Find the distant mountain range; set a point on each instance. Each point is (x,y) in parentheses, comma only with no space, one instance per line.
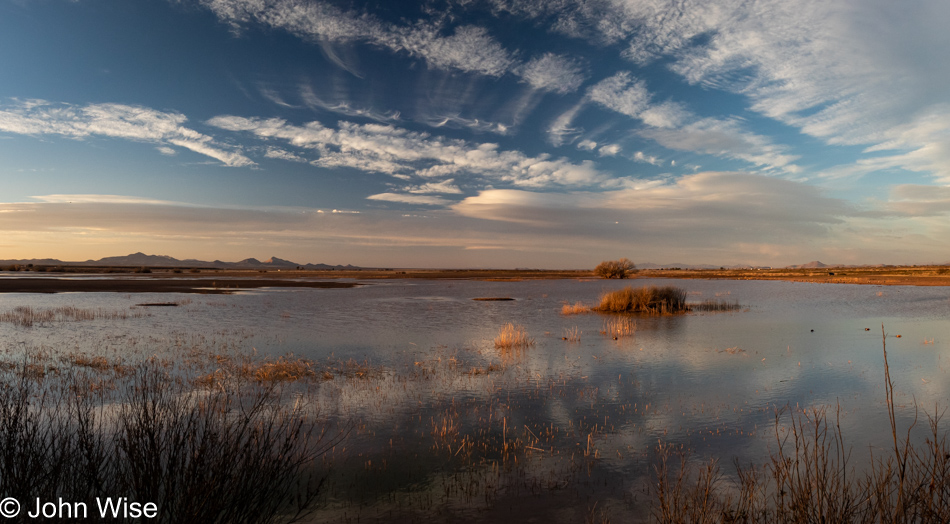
(141,259)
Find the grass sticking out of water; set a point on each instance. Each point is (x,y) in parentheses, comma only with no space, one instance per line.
(619,327)
(651,300)
(714,305)
(575,309)
(27,316)
(513,337)
(810,477)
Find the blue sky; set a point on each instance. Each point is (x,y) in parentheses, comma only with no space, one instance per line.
(476,133)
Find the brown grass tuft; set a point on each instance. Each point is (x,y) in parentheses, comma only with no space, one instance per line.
(513,337)
(576,309)
(651,300)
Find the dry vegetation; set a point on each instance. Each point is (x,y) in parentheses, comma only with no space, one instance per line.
(27,316)
(651,300)
(622,268)
(513,337)
(619,327)
(575,309)
(225,455)
(811,478)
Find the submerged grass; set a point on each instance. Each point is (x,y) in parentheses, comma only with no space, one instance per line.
(27,316)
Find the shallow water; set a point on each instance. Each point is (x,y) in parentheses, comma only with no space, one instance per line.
(583,414)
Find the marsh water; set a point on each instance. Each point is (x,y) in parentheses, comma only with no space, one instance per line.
(447,426)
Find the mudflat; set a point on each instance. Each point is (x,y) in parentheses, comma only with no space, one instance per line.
(162,280)
(153,285)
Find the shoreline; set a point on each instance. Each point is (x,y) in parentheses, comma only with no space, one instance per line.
(166,280)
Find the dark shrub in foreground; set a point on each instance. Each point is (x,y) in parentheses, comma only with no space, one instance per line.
(226,455)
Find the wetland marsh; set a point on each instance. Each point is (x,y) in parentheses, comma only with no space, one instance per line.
(433,420)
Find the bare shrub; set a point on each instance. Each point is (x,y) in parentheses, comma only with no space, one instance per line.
(615,268)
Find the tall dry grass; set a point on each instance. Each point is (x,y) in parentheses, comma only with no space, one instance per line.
(513,337)
(575,309)
(217,456)
(811,478)
(619,327)
(650,300)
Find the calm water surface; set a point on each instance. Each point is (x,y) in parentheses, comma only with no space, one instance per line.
(583,417)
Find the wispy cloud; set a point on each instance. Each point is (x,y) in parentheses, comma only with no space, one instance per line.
(725,139)
(410,199)
(311,100)
(869,74)
(457,122)
(396,151)
(39,117)
(560,130)
(466,48)
(621,93)
(101,199)
(551,72)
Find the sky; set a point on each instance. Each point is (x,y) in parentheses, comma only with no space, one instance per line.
(477,133)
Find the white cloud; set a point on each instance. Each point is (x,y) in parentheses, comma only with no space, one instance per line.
(311,100)
(165,150)
(560,130)
(283,154)
(587,145)
(445,186)
(868,73)
(639,156)
(395,151)
(609,150)
(621,93)
(705,211)
(410,199)
(470,49)
(552,72)
(100,199)
(666,114)
(455,121)
(38,117)
(725,139)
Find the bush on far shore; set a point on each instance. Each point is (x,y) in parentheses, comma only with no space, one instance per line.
(615,268)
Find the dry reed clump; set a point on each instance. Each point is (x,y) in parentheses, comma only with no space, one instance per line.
(650,299)
(513,337)
(575,309)
(619,327)
(220,456)
(810,478)
(27,316)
